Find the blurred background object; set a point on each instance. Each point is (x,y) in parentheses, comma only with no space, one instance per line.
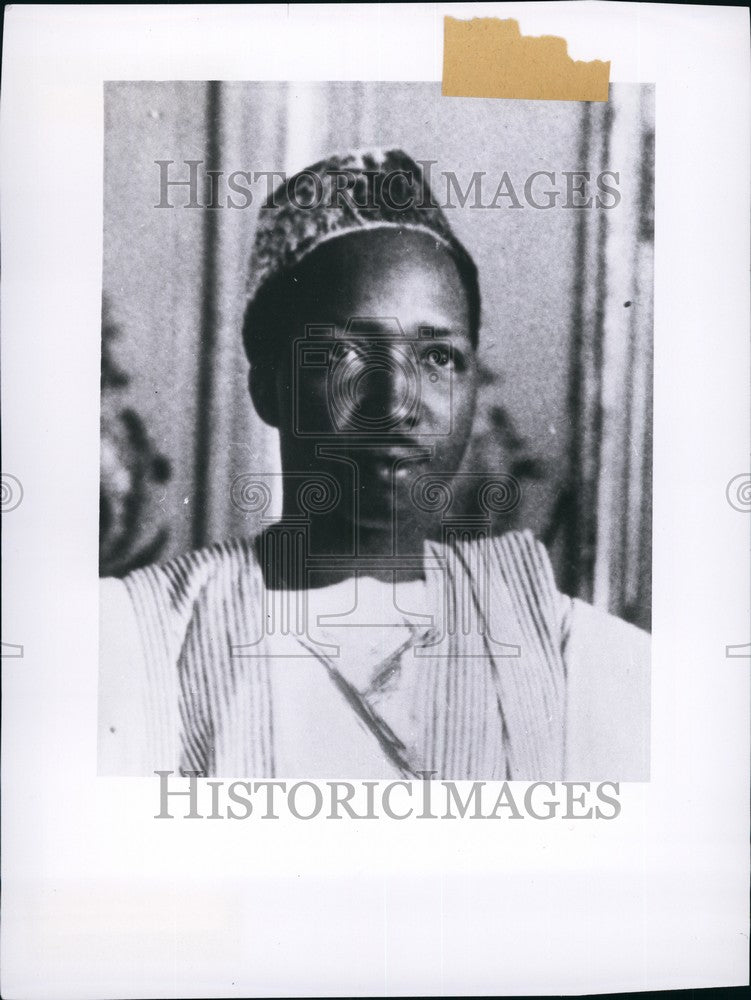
(130,469)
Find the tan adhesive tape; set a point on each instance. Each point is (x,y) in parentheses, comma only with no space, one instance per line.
(488,57)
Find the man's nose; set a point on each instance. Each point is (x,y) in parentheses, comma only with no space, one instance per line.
(376,388)
(388,387)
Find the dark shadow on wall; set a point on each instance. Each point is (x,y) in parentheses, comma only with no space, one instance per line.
(130,469)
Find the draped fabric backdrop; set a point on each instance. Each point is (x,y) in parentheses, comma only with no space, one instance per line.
(566,335)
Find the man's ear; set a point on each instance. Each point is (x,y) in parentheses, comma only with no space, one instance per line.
(263,394)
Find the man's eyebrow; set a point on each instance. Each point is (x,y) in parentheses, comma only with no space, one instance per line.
(446,332)
(389,327)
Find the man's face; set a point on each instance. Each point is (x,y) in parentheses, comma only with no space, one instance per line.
(379,385)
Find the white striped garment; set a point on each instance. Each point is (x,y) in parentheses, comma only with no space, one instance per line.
(480,695)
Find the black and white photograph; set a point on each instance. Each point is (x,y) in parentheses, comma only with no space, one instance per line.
(376,432)
(375,500)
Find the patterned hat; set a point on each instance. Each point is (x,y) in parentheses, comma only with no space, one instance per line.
(371,189)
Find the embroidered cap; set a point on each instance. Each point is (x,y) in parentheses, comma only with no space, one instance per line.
(369,189)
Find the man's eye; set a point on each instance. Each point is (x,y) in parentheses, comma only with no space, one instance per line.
(439,356)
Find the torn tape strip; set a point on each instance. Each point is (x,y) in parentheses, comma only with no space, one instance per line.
(489,57)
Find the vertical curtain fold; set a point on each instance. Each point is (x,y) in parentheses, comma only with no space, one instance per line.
(608,534)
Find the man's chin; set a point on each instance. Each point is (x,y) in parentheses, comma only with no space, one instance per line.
(385,523)
(375,523)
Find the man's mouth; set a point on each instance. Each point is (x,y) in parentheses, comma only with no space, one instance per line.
(394,463)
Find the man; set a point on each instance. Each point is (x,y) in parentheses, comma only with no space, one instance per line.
(366,634)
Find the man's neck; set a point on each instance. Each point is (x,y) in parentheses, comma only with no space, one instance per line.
(324,550)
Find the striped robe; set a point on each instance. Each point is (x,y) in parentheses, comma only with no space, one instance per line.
(204,669)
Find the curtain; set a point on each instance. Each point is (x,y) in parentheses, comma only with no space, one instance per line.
(607,519)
